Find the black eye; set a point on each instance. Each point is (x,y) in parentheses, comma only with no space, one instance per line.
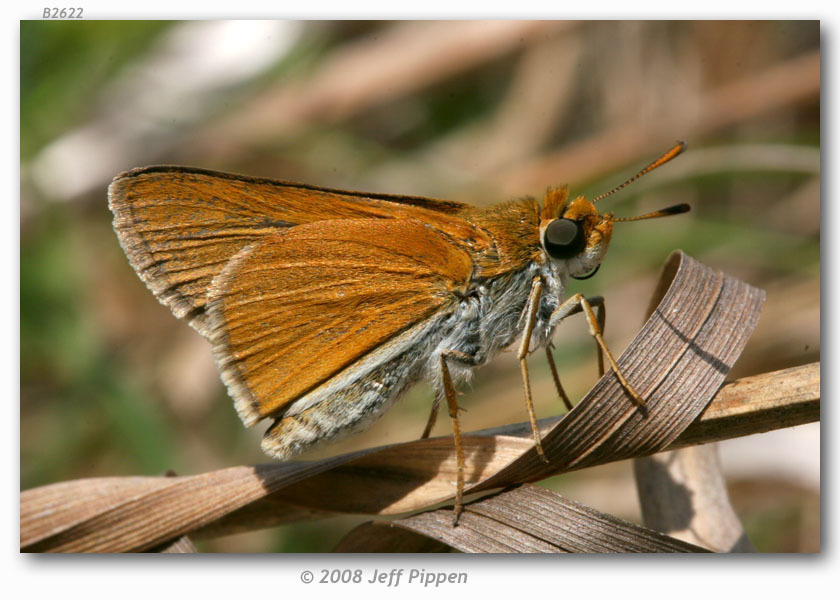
(564,238)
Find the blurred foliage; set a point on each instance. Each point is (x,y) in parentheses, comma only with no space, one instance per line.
(90,405)
(64,65)
(112,385)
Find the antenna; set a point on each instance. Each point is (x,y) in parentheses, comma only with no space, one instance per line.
(671,154)
(665,212)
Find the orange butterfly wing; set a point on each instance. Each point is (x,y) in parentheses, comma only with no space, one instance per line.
(179,227)
(297,309)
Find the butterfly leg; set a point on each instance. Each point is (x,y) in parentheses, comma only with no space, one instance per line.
(530,320)
(448,391)
(595,301)
(432,418)
(578,303)
(560,391)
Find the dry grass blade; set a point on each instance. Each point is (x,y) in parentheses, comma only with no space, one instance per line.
(136,514)
(747,406)
(385,536)
(678,362)
(183,545)
(783,398)
(523,519)
(684,494)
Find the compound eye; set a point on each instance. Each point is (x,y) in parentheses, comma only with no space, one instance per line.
(564,238)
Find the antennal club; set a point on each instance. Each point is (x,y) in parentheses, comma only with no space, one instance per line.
(665,212)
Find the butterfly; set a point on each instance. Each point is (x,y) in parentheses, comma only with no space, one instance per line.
(324,306)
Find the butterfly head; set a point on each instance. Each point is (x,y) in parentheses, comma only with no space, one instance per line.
(577,235)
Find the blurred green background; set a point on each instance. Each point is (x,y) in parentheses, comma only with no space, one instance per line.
(112,384)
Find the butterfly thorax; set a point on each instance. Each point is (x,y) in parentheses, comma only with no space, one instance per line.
(505,269)
(513,231)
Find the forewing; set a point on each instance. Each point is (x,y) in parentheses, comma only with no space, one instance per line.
(306,304)
(180,226)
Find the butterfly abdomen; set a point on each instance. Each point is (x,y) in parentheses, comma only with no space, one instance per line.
(349,409)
